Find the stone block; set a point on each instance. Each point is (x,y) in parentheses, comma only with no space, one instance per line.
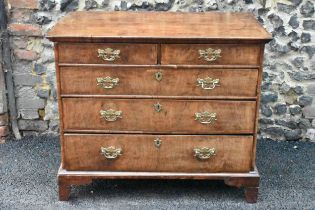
(39,68)
(293,135)
(295,109)
(307,9)
(22,67)
(29,103)
(19,29)
(28,114)
(305,100)
(310,89)
(309,112)
(47,5)
(267,97)
(305,123)
(19,42)
(43,93)
(280,109)
(309,24)
(29,4)
(33,125)
(69,5)
(30,133)
(26,79)
(310,135)
(54,125)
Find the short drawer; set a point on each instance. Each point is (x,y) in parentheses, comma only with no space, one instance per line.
(160,116)
(107,53)
(210,54)
(158,81)
(179,153)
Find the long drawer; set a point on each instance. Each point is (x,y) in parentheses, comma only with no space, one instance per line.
(150,115)
(107,53)
(179,153)
(158,81)
(210,54)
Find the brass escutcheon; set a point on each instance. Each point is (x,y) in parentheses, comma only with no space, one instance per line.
(157,107)
(110,115)
(206,117)
(111,152)
(158,75)
(107,82)
(208,83)
(157,142)
(210,54)
(108,54)
(204,153)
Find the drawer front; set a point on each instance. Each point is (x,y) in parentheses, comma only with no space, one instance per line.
(160,82)
(209,54)
(150,115)
(174,154)
(92,53)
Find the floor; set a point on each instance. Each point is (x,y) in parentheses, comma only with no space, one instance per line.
(28,181)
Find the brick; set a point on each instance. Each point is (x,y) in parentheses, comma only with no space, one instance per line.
(28,4)
(33,125)
(21,15)
(4,119)
(309,112)
(28,55)
(4,131)
(25,29)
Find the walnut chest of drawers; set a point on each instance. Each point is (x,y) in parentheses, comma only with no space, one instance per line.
(158,95)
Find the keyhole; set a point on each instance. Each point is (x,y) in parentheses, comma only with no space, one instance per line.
(158,107)
(158,76)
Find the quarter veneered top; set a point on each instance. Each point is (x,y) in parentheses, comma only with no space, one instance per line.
(151,26)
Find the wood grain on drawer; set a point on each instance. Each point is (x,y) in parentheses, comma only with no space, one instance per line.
(226,54)
(158,81)
(175,116)
(175,154)
(88,53)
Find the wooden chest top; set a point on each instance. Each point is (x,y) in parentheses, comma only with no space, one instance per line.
(151,26)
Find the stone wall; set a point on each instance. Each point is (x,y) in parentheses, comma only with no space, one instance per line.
(288,89)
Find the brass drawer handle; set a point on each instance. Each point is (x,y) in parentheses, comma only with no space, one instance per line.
(208,83)
(204,153)
(206,117)
(110,115)
(107,82)
(111,152)
(210,54)
(108,54)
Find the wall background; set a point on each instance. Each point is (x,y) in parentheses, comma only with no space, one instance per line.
(288,89)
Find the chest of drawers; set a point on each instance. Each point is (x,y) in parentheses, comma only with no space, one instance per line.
(158,95)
